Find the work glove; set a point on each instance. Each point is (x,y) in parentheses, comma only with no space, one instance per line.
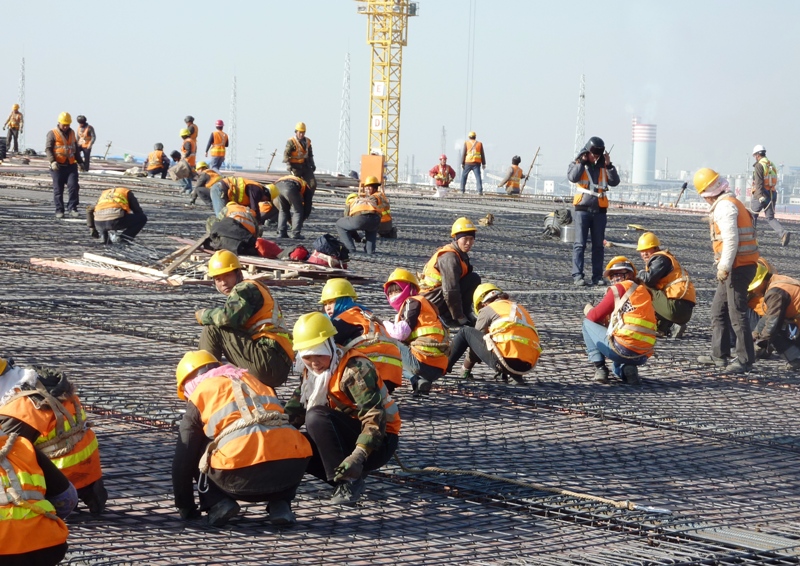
(189,513)
(198,315)
(587,307)
(54,166)
(351,467)
(762,200)
(722,275)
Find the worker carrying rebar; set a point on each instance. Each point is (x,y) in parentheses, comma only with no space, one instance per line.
(86,140)
(362,212)
(670,286)
(357,327)
(189,154)
(733,239)
(217,142)
(442,173)
(778,326)
(157,162)
(206,178)
(42,406)
(116,209)
(249,329)
(352,422)
(292,194)
(765,193)
(299,159)
(61,148)
(504,338)
(239,190)
(448,281)
(235,434)
(622,326)
(235,229)
(473,158)
(513,177)
(15,123)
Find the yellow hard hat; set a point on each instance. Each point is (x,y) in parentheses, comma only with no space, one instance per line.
(462,224)
(371,180)
(3,365)
(221,262)
(15,107)
(401,274)
(482,293)
(704,179)
(647,241)
(761,273)
(274,193)
(472,135)
(188,366)
(300,127)
(311,329)
(619,263)
(185,132)
(336,288)
(65,118)
(350,198)
(202,165)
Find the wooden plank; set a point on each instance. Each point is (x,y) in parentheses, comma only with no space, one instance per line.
(124,265)
(169,257)
(183,257)
(57,263)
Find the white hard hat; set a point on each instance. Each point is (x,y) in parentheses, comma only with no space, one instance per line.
(759,149)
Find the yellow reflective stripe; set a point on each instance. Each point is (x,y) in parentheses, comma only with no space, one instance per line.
(76,458)
(637,336)
(26,479)
(52,434)
(16,513)
(639,322)
(426,331)
(381,359)
(433,350)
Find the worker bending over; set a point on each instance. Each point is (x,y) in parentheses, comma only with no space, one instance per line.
(235,229)
(781,315)
(292,191)
(239,190)
(206,178)
(116,209)
(362,213)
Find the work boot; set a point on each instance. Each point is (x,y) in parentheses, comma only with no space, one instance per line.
(785,239)
(298,236)
(712,361)
(600,375)
(630,375)
(793,365)
(500,376)
(59,214)
(348,493)
(579,281)
(74,214)
(94,233)
(602,282)
(94,496)
(677,331)
(283,235)
(736,367)
(423,386)
(222,512)
(280,513)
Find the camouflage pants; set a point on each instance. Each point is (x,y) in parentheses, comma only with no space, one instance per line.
(264,358)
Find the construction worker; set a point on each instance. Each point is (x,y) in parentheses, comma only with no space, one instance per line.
(235,433)
(442,174)
(206,178)
(189,153)
(116,209)
(157,162)
(351,420)
(239,190)
(14,123)
(42,406)
(622,326)
(512,348)
(249,328)
(448,280)
(733,238)
(670,286)
(362,213)
(299,159)
(217,142)
(513,177)
(86,139)
(386,229)
(293,192)
(190,125)
(765,193)
(778,325)
(269,205)
(235,229)
(473,158)
(592,172)
(357,327)
(61,148)
(423,339)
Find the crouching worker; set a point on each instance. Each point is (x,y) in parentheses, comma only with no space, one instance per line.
(362,213)
(116,209)
(504,337)
(236,441)
(41,406)
(235,229)
(248,330)
(781,307)
(423,339)
(622,327)
(352,422)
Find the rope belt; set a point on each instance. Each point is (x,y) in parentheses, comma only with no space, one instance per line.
(64,440)
(487,338)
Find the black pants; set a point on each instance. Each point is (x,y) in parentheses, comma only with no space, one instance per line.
(729,312)
(130,224)
(203,192)
(333,438)
(12,134)
(276,480)
(347,227)
(291,201)
(86,153)
(65,175)
(160,171)
(466,285)
(472,339)
(305,173)
(43,557)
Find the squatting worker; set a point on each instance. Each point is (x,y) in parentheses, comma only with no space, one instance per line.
(362,213)
(669,284)
(473,158)
(235,434)
(116,209)
(249,329)
(765,193)
(298,155)
(733,238)
(448,280)
(593,173)
(14,123)
(157,162)
(351,420)
(206,178)
(781,302)
(61,148)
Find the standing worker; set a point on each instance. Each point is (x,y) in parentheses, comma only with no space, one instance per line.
(593,173)
(249,328)
(781,300)
(299,158)
(190,125)
(442,174)
(86,139)
(14,123)
(116,209)
(157,162)
(217,142)
(473,158)
(513,177)
(189,153)
(733,238)
(362,213)
(293,192)
(61,148)
(765,193)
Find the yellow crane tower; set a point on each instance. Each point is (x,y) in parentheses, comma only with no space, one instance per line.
(387,33)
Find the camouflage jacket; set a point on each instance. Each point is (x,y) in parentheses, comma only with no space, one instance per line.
(244,301)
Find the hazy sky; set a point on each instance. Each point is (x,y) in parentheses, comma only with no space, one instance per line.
(717,77)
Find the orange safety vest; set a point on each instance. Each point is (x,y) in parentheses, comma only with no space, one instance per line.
(213,177)
(265,207)
(28,521)
(241,214)
(219,143)
(193,131)
(585,189)
(339,399)
(376,345)
(792,287)
(268,322)
(65,437)
(474,153)
(113,198)
(15,120)
(383,207)
(747,252)
(155,160)
(634,327)
(516,177)
(191,153)
(299,154)
(429,339)
(297,180)
(224,402)
(676,284)
(770,175)
(83,136)
(514,332)
(365,204)
(237,189)
(64,148)
(431,277)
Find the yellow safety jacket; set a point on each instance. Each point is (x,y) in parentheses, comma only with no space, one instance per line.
(429,339)
(112,204)
(241,214)
(218,145)
(474,152)
(513,332)
(770,175)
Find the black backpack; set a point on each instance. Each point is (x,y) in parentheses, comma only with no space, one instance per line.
(330,245)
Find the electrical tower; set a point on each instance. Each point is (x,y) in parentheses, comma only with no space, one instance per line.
(232,128)
(580,127)
(387,34)
(444,141)
(22,102)
(343,149)
(259,150)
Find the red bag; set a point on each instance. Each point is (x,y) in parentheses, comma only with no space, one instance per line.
(299,254)
(267,249)
(320,258)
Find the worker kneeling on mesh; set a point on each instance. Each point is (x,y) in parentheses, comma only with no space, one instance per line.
(504,337)
(362,213)
(116,209)
(248,330)
(235,434)
(622,327)
(350,418)
(781,307)
(41,405)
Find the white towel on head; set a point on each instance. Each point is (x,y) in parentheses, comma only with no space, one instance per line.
(13,379)
(314,389)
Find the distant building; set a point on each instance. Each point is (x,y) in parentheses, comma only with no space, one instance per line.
(644,153)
